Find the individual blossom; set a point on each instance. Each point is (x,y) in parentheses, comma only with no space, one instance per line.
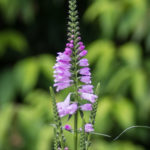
(89,97)
(86,89)
(85,71)
(89,127)
(62,85)
(86,107)
(66,148)
(65,108)
(83,62)
(83,53)
(85,79)
(67,127)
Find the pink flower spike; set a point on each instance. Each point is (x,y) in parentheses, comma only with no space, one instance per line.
(86,107)
(89,127)
(83,53)
(66,148)
(89,97)
(83,62)
(67,127)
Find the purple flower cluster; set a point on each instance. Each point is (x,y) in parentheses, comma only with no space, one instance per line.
(63,79)
(62,72)
(85,91)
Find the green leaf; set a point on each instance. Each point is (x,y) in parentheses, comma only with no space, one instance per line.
(119,81)
(26,74)
(6,116)
(102,52)
(139,84)
(12,39)
(131,54)
(46,63)
(124,112)
(7,86)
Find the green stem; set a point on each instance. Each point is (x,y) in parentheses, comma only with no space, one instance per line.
(75,131)
(73,29)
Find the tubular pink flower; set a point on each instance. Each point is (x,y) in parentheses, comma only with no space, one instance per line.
(83,62)
(65,108)
(68,51)
(85,79)
(86,107)
(62,65)
(71,45)
(85,71)
(82,47)
(83,53)
(89,97)
(79,38)
(89,127)
(62,57)
(86,89)
(67,127)
(61,85)
(72,108)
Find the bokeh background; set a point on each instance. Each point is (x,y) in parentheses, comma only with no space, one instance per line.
(117,36)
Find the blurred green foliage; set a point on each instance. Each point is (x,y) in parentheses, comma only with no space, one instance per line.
(117,33)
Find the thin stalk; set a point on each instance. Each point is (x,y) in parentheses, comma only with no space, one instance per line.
(73,34)
(75,130)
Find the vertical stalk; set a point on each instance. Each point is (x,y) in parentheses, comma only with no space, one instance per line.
(73,34)
(75,131)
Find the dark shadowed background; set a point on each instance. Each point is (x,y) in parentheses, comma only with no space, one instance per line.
(117,36)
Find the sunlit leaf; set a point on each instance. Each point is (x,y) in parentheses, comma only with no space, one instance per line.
(46,63)
(7,86)
(139,85)
(13,40)
(131,53)
(6,116)
(103,120)
(124,112)
(26,73)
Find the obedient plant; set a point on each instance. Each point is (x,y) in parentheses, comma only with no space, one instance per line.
(72,70)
